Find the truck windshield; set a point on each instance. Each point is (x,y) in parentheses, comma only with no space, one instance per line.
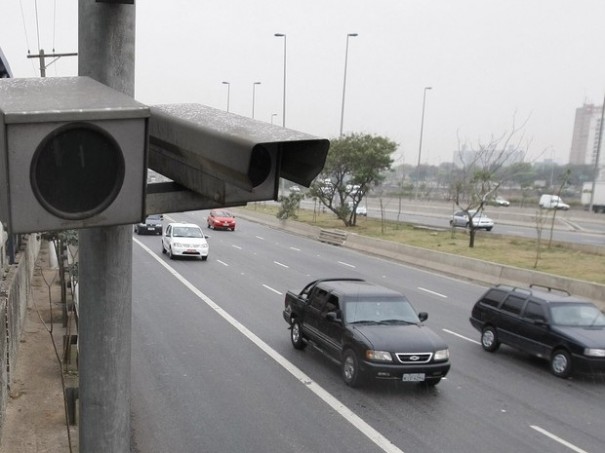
(384,310)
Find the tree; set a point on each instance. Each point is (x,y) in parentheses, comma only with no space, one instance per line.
(484,171)
(289,206)
(354,165)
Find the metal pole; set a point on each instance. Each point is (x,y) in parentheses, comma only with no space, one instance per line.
(228,93)
(254,95)
(420,145)
(344,84)
(106,49)
(282,35)
(597,157)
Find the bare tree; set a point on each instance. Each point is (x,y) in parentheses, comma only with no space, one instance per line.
(484,170)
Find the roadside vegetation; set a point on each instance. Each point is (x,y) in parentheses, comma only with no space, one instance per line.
(511,251)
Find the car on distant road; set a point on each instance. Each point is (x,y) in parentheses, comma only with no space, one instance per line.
(360,210)
(151,225)
(221,219)
(551,324)
(184,239)
(480,220)
(499,201)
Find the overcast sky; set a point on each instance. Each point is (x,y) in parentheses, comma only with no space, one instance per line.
(489,62)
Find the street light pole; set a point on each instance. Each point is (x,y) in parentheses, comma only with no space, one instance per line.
(228,93)
(420,145)
(254,96)
(282,35)
(344,83)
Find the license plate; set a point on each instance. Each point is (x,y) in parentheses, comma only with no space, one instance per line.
(150,229)
(413,377)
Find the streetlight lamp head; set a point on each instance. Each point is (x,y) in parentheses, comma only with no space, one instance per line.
(428,88)
(226,83)
(279,34)
(352,34)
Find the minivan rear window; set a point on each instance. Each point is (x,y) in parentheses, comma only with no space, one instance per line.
(513,304)
(494,297)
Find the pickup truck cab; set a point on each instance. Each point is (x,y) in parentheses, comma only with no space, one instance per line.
(369,330)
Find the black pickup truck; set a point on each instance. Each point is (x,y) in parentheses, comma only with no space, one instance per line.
(369,330)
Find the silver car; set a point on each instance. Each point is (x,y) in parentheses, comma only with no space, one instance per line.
(480,220)
(184,239)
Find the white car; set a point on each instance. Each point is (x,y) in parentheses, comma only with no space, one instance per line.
(184,239)
(480,220)
(499,201)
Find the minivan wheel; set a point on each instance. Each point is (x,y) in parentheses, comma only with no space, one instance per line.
(560,363)
(489,339)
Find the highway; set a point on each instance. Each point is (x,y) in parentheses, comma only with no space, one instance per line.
(213,368)
(573,226)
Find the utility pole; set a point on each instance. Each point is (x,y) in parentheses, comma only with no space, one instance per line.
(42,56)
(597,158)
(106,33)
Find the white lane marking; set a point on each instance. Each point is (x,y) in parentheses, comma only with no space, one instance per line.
(281,264)
(222,262)
(378,439)
(558,439)
(461,336)
(260,237)
(236,246)
(295,249)
(272,289)
(346,264)
(432,292)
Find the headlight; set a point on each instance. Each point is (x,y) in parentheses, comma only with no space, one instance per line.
(379,356)
(442,355)
(591,352)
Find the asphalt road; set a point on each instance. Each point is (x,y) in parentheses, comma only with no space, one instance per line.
(213,368)
(574,226)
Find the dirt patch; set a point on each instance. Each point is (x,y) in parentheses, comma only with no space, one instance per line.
(35,417)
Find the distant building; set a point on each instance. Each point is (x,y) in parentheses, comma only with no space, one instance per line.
(585,139)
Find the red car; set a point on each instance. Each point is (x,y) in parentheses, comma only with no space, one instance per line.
(221,219)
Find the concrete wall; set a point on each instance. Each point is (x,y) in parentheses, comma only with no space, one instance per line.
(15,294)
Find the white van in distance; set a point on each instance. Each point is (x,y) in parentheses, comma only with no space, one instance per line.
(553,202)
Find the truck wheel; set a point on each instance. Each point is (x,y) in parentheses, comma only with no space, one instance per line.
(351,373)
(296,336)
(560,363)
(489,339)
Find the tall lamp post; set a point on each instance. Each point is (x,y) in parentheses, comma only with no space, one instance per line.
(282,35)
(228,93)
(344,83)
(254,96)
(420,145)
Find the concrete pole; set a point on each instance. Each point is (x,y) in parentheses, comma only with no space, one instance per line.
(106,49)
